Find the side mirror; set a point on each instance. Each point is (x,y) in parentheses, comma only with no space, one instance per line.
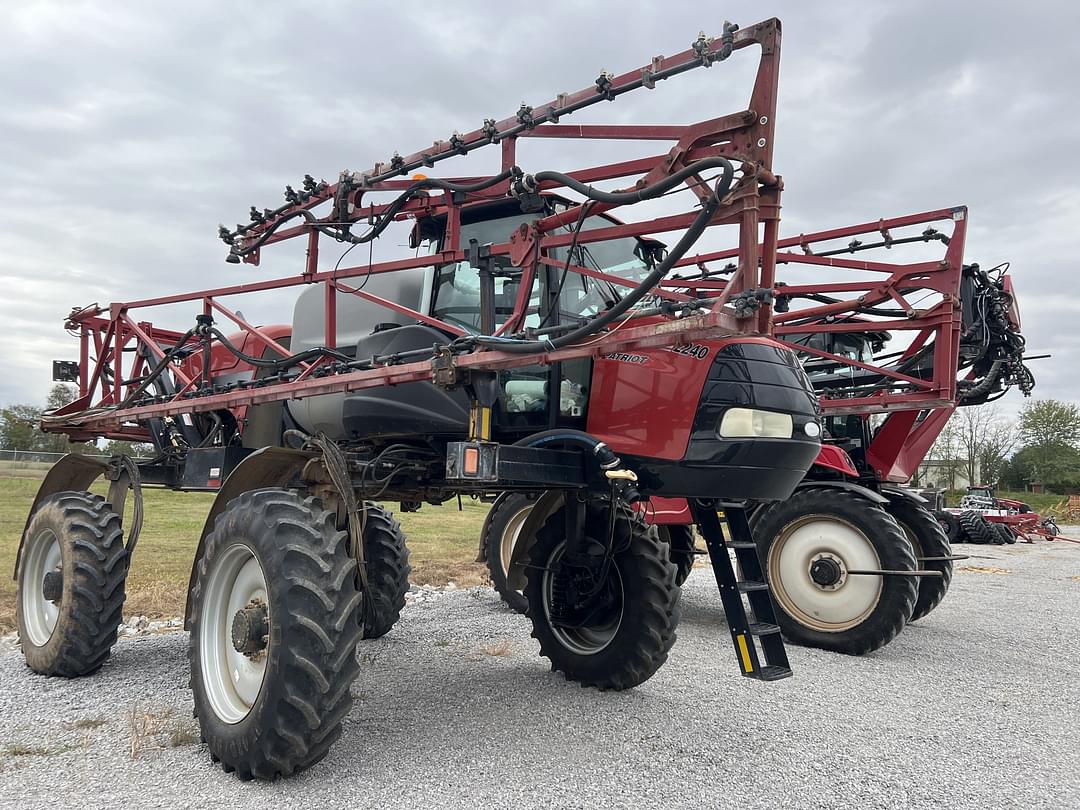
(650,251)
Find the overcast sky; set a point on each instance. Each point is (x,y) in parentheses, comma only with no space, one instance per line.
(129,130)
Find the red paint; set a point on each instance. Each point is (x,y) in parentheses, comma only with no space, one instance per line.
(834,459)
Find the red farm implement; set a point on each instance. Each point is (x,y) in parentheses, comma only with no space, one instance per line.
(984,518)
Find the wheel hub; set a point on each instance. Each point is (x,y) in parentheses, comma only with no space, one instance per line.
(249,629)
(827,572)
(52,586)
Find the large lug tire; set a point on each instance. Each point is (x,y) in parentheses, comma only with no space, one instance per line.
(71,584)
(387,559)
(978,530)
(680,540)
(832,531)
(927,540)
(950,524)
(274,626)
(627,633)
(500,535)
(1004,533)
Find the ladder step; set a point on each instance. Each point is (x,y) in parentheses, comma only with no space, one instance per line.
(749,587)
(762,629)
(772,673)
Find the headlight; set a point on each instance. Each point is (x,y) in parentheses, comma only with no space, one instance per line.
(750,423)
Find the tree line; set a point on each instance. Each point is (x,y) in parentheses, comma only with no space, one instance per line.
(1040,446)
(19,430)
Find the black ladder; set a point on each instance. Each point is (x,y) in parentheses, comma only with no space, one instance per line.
(758,645)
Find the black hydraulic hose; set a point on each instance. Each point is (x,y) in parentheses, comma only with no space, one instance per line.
(985,385)
(604,455)
(160,367)
(285,362)
(697,227)
(638,195)
(384,219)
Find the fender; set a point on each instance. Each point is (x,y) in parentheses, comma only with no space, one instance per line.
(866,492)
(481,554)
(547,503)
(74,472)
(897,492)
(267,467)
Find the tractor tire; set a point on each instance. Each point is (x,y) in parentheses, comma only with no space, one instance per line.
(388,570)
(950,524)
(834,531)
(978,530)
(500,536)
(71,584)
(680,540)
(625,638)
(1004,532)
(927,540)
(275,620)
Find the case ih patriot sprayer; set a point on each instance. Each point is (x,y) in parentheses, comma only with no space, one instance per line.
(528,346)
(824,550)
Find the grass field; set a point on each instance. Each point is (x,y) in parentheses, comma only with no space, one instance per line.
(442,542)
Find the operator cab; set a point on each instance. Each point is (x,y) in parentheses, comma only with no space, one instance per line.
(453,294)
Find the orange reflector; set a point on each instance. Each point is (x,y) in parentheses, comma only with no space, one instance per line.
(472,461)
(419,176)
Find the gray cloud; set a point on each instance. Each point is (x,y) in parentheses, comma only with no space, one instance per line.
(128,131)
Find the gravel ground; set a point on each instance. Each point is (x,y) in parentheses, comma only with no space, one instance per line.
(975,706)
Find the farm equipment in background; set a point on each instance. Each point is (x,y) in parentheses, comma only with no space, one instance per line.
(531,348)
(851,556)
(984,518)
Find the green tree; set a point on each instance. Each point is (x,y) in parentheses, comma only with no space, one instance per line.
(1050,431)
(59,396)
(18,427)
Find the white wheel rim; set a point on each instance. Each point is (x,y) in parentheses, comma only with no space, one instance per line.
(42,556)
(829,610)
(231,679)
(583,640)
(509,540)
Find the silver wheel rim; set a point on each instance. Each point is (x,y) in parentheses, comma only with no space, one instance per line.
(231,679)
(582,640)
(42,556)
(830,610)
(509,540)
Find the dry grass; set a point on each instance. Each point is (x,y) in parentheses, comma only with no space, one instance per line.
(443,543)
(86,723)
(983,569)
(23,750)
(498,649)
(181,734)
(146,728)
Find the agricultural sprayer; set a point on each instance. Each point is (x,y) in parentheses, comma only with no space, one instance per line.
(537,341)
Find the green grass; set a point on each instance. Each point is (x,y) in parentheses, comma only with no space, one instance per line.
(442,542)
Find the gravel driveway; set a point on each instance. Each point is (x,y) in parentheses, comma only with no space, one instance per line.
(978,705)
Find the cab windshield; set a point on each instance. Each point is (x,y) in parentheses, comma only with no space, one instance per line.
(457,285)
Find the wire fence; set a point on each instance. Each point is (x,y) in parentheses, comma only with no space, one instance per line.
(30,463)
